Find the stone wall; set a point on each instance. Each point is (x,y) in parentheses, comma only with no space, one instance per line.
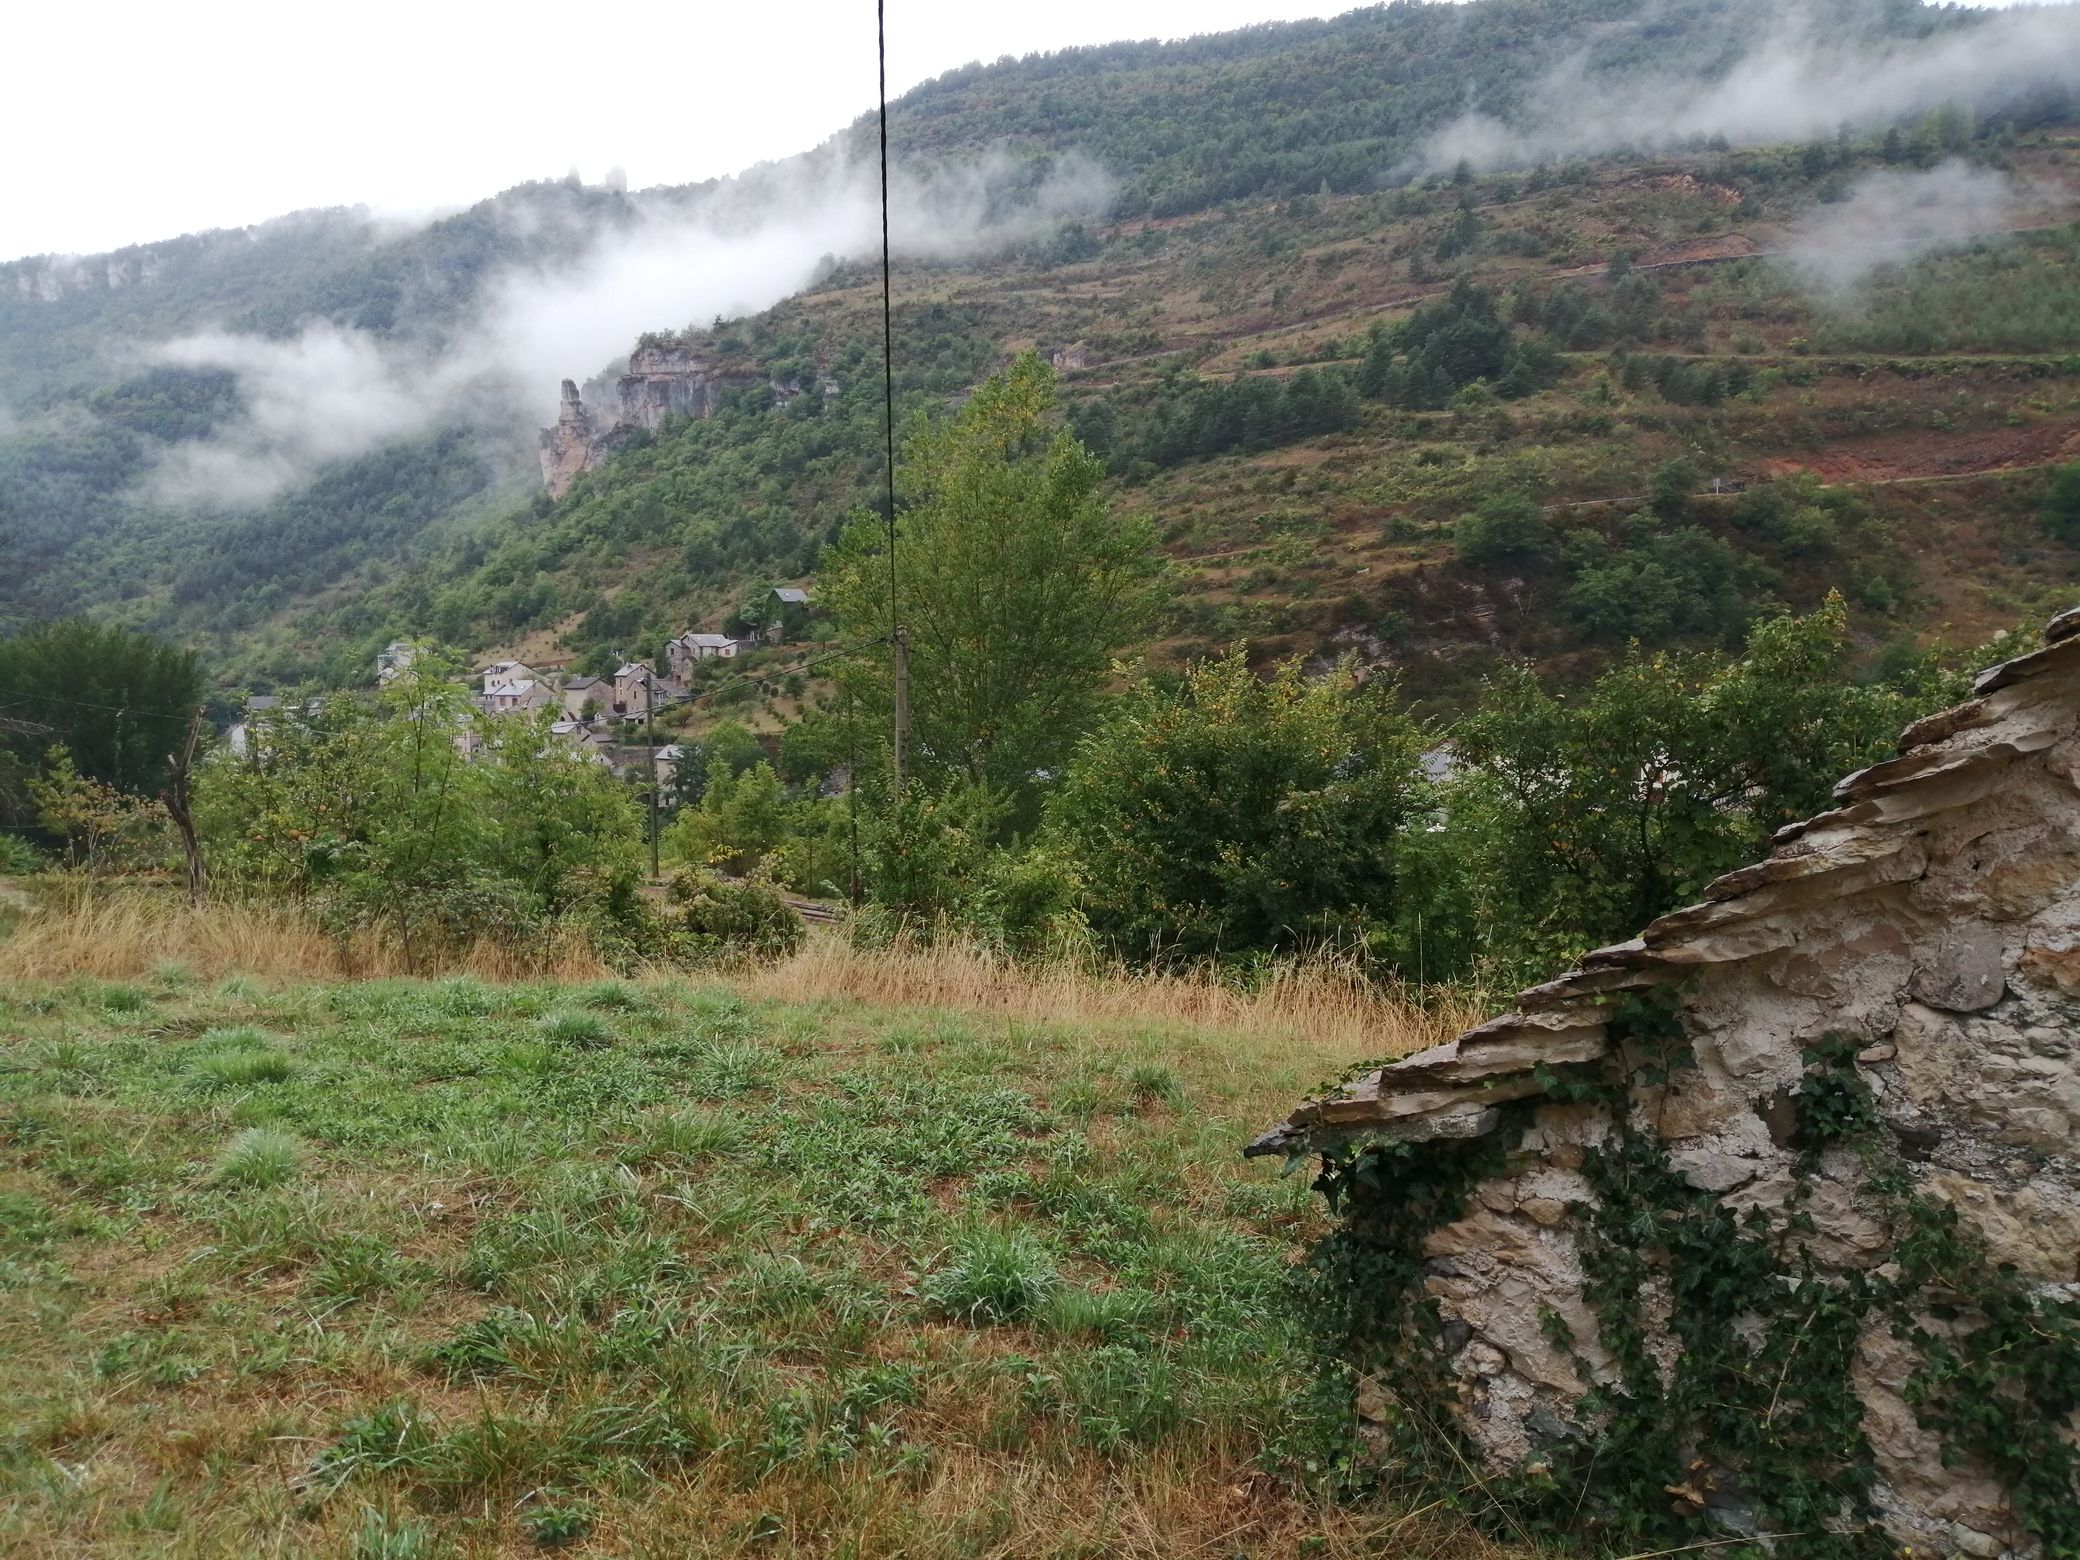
(1927,933)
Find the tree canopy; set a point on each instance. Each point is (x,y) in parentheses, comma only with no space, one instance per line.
(1016,580)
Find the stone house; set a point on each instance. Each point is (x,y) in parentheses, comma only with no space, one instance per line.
(581,738)
(787,614)
(1796,1160)
(505,672)
(688,648)
(586,697)
(392,661)
(637,691)
(519,697)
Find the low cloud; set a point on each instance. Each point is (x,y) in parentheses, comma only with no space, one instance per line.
(1791,86)
(1891,216)
(324,395)
(331,393)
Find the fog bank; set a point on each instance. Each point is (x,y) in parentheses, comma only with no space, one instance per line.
(331,392)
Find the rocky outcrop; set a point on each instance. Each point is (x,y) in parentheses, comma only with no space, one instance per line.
(567,448)
(47,278)
(674,379)
(665,379)
(1912,955)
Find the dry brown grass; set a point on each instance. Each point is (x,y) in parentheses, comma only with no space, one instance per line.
(123,935)
(1324,1002)
(1329,1006)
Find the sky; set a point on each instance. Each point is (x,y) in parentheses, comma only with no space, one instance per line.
(133,120)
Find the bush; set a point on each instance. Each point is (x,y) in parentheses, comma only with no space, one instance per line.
(1234,816)
(1685,584)
(374,814)
(741,820)
(925,857)
(18,858)
(2061,511)
(714,918)
(1578,818)
(1508,530)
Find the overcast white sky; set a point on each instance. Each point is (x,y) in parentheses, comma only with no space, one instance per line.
(132,120)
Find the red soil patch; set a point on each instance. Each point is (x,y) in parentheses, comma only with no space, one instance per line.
(1716,246)
(1897,456)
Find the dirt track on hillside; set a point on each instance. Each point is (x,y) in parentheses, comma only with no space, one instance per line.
(1920,453)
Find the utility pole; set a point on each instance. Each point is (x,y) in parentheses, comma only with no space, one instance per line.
(852,796)
(650,737)
(175,798)
(899,642)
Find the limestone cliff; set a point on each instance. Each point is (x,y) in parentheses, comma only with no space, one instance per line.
(567,448)
(666,378)
(1861,1050)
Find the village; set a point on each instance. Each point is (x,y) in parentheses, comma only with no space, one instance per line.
(609,720)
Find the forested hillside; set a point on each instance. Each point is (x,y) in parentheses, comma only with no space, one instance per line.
(1378,398)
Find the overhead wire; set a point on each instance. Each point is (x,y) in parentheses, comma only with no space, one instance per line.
(888,432)
(888,327)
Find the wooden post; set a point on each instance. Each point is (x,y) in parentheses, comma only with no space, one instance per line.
(650,735)
(175,798)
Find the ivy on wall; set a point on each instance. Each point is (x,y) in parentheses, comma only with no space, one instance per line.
(1752,1422)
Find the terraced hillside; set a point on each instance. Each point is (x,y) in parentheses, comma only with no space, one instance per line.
(1706,429)
(1724,376)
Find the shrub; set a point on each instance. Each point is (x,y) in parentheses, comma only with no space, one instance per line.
(741,820)
(2061,511)
(1578,818)
(1506,530)
(18,858)
(354,808)
(715,918)
(1234,816)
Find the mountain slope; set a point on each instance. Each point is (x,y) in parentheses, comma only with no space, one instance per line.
(1308,516)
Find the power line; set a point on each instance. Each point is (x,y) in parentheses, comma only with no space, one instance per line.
(784,672)
(898,636)
(888,327)
(31,699)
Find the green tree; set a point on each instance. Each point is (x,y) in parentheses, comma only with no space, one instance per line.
(1234,815)
(1017,582)
(731,748)
(2061,510)
(1579,818)
(415,819)
(742,819)
(117,703)
(102,828)
(1670,488)
(1687,583)
(1508,530)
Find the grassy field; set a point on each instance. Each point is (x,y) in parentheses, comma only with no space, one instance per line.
(411,1268)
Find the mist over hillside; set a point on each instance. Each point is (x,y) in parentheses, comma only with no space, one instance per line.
(319,393)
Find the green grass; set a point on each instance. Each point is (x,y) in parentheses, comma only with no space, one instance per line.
(446,1268)
(258,1156)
